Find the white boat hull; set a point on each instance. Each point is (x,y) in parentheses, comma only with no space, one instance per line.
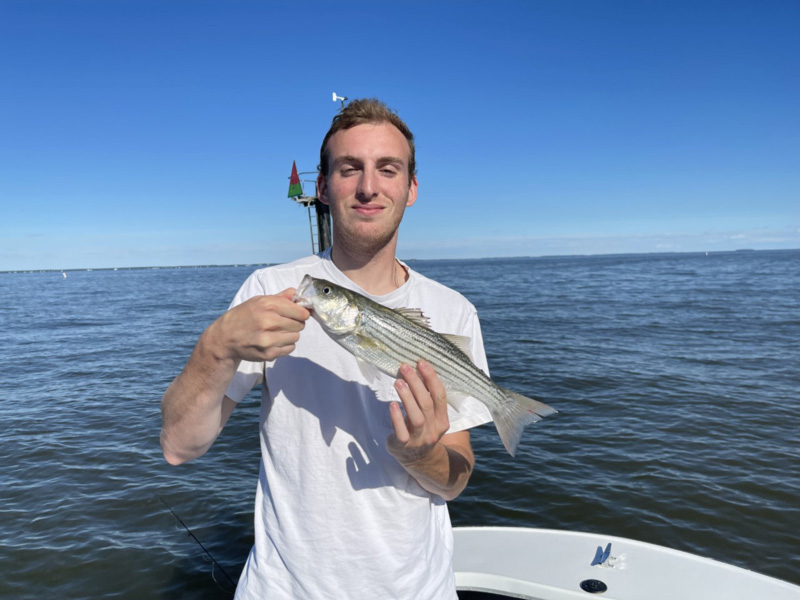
(545,564)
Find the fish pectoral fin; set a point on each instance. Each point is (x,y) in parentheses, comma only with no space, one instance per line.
(370,372)
(367,346)
(370,344)
(461,342)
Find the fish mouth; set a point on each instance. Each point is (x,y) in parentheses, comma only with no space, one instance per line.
(302,295)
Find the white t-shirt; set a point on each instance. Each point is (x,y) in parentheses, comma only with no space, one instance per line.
(336,516)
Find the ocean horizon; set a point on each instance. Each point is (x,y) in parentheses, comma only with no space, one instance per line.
(484,258)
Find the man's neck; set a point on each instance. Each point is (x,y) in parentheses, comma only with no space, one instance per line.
(377,274)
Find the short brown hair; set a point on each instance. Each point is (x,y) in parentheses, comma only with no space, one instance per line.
(361,112)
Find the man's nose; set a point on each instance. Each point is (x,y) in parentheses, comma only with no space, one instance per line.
(367,185)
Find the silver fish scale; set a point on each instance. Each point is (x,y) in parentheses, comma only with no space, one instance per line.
(402,341)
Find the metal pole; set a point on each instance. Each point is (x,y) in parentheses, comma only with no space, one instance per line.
(323,225)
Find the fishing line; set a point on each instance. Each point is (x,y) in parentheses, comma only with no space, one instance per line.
(199,543)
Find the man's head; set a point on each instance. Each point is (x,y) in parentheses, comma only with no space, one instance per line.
(361,112)
(366,178)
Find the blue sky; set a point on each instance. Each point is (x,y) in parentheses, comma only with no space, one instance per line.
(138,133)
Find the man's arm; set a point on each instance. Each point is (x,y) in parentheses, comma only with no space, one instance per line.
(194,408)
(440,462)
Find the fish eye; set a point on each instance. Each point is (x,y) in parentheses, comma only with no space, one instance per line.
(326,290)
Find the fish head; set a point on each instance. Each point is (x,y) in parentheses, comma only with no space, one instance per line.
(333,306)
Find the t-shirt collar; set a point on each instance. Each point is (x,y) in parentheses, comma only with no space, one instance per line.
(394,299)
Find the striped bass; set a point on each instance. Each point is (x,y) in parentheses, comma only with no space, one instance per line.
(387,338)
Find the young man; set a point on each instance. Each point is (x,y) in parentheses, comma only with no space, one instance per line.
(352,489)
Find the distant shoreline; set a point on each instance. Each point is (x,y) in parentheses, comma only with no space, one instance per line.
(487,258)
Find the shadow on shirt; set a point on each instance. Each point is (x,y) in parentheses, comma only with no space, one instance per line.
(349,407)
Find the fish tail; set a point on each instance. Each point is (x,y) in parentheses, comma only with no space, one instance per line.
(514,413)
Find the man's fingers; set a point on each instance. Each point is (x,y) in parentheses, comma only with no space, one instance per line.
(283,305)
(414,414)
(285,338)
(285,324)
(437,392)
(432,382)
(418,388)
(263,327)
(398,423)
(275,313)
(425,399)
(277,351)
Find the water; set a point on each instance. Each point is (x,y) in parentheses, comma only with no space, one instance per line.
(677,379)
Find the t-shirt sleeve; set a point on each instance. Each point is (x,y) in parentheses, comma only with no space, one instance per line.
(471,412)
(248,374)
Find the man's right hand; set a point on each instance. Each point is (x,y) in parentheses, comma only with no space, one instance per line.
(194,408)
(262,328)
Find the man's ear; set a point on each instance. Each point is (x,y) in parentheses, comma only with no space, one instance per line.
(322,188)
(412,191)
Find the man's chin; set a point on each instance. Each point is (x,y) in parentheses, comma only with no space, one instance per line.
(365,239)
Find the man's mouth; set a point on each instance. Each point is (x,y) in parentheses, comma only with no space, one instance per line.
(368,210)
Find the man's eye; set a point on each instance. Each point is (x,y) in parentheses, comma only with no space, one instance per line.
(389,171)
(348,170)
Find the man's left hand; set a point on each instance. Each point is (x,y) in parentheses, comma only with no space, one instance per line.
(425,401)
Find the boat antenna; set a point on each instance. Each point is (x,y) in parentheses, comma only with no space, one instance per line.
(199,543)
(342,98)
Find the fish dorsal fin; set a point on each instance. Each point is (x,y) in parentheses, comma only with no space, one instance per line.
(460,342)
(415,315)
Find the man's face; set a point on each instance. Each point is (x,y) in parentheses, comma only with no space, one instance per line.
(367,187)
